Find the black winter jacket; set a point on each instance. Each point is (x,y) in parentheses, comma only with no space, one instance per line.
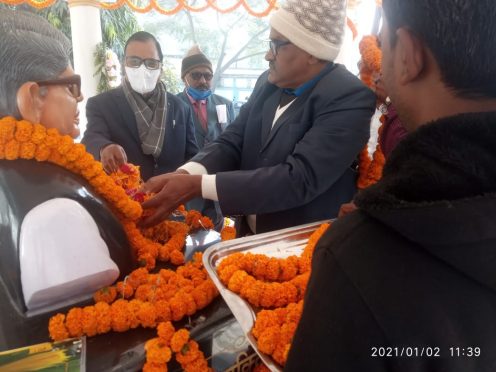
(413,271)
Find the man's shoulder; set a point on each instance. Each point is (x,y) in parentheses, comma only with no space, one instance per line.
(340,75)
(177,101)
(109,95)
(220,100)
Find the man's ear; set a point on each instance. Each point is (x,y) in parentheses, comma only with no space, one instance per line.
(30,101)
(411,54)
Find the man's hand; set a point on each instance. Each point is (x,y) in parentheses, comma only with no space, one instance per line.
(112,157)
(172,190)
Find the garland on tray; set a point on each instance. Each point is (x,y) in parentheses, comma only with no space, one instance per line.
(370,170)
(270,282)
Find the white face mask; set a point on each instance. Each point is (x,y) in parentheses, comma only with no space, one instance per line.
(142,80)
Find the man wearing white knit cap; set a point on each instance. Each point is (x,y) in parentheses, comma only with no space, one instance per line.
(288,158)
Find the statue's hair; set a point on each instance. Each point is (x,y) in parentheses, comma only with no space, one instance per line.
(30,50)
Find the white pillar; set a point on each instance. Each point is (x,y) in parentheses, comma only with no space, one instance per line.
(86,34)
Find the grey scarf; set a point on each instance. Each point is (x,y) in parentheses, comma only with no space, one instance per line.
(150,117)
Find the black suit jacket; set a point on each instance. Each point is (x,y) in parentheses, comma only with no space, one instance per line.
(111,120)
(299,170)
(214,127)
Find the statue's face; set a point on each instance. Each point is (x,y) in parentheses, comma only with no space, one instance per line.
(59,109)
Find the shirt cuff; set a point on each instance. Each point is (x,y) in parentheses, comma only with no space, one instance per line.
(209,188)
(194,168)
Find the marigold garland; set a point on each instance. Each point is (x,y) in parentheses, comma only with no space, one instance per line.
(24,140)
(150,299)
(269,282)
(370,170)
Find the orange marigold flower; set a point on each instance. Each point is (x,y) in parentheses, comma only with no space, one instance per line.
(163,311)
(7,129)
(74,323)
(158,354)
(144,292)
(200,297)
(165,331)
(147,260)
(237,279)
(120,316)
(188,353)
(12,150)
(65,144)
(124,289)
(265,319)
(137,277)
(42,153)
(147,315)
(226,272)
(289,269)
(106,294)
(57,329)
(89,322)
(103,317)
(163,253)
(190,303)
(134,308)
(27,150)
(260,266)
(178,308)
(179,340)
(23,132)
(268,339)
(273,269)
(206,222)
(176,257)
(254,292)
(228,233)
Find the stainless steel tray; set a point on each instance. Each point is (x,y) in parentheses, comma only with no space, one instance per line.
(280,244)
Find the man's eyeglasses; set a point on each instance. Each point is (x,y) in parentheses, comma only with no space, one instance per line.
(150,63)
(198,75)
(73,83)
(274,45)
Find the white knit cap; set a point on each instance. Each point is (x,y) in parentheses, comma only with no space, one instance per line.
(316,26)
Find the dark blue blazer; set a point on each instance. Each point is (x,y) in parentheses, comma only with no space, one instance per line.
(111,120)
(301,170)
(214,127)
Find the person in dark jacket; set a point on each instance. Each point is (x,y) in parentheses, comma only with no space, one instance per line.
(407,282)
(140,122)
(212,114)
(287,159)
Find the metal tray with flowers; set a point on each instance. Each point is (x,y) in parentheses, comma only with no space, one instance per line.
(280,244)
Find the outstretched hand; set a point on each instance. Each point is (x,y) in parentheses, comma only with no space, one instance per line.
(172,190)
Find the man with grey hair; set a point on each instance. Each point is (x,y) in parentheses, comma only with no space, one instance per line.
(51,251)
(289,156)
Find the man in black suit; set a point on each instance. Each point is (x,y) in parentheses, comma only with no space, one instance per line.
(140,122)
(288,157)
(213,113)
